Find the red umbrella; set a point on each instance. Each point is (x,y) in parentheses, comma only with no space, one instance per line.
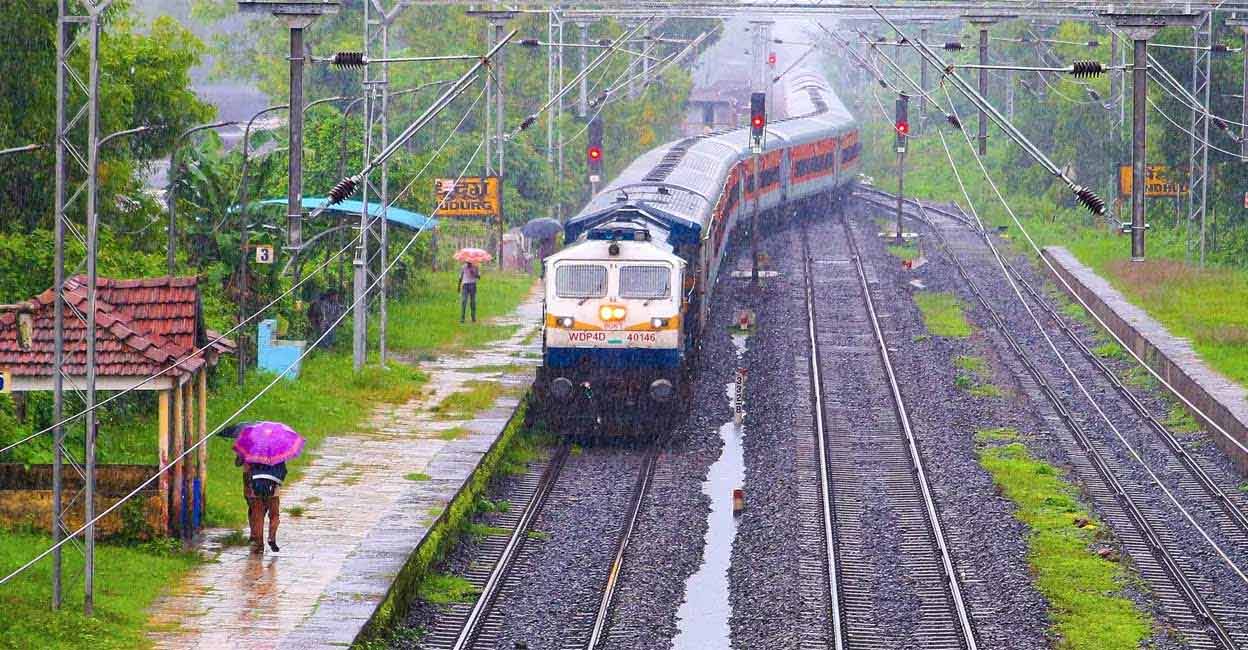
(268,443)
(474,255)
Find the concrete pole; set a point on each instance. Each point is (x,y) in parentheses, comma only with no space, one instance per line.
(1139,28)
(550,84)
(501,111)
(923,80)
(294,189)
(559,125)
(383,257)
(1139,117)
(488,133)
(1243,144)
(582,105)
(983,87)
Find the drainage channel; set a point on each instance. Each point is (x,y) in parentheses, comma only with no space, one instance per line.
(702,620)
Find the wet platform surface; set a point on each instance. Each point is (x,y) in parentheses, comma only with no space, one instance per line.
(363,515)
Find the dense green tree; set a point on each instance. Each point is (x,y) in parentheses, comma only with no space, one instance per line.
(144,80)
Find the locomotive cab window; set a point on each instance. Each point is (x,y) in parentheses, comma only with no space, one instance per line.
(648,282)
(581,281)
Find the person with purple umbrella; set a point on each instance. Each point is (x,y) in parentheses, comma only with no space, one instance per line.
(263,449)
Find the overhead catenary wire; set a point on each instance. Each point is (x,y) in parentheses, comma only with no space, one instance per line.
(349,245)
(1156,480)
(232,417)
(1070,372)
(598,60)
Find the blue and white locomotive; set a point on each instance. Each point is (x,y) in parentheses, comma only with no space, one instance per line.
(627,298)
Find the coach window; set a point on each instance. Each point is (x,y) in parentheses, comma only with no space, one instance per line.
(581,281)
(648,282)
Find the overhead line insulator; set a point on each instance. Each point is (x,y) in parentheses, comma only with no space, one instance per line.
(954,45)
(345,188)
(1085,69)
(349,60)
(1089,199)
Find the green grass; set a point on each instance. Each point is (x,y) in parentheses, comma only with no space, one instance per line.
(1084,590)
(128,580)
(998,434)
(1180,420)
(454,433)
(943,314)
(1207,306)
(432,312)
(462,405)
(973,376)
(1109,350)
(442,589)
(906,251)
(417,476)
(505,368)
(482,530)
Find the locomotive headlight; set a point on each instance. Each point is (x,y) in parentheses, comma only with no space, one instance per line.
(658,323)
(611,312)
(564,321)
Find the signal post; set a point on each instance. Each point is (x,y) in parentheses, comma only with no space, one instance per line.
(593,154)
(758,135)
(902,126)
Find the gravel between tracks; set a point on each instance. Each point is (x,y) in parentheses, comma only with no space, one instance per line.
(1051,442)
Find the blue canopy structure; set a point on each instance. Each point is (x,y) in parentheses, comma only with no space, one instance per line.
(407,218)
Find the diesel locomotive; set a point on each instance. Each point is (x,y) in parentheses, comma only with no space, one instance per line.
(627,298)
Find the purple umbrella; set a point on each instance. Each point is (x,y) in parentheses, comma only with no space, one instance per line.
(268,443)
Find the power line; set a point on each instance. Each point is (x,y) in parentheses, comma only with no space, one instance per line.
(307,350)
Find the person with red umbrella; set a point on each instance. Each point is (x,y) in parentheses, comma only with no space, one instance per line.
(469,274)
(262,449)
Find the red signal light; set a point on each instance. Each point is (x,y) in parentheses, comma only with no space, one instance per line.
(903,128)
(771,59)
(757,121)
(594,153)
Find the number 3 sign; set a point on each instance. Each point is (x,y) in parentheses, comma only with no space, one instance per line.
(264,254)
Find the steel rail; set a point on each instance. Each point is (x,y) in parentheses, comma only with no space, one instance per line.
(1151,537)
(598,633)
(938,534)
(493,586)
(821,446)
(1237,516)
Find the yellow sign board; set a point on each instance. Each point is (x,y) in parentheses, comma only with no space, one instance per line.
(6,381)
(470,196)
(1157,183)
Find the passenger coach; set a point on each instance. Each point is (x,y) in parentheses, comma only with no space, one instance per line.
(628,296)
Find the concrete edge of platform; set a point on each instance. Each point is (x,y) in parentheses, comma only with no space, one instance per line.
(438,540)
(1222,400)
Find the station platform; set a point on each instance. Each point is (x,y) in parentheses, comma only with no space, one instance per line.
(1172,357)
(370,498)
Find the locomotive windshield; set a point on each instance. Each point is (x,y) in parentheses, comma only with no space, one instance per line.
(649,282)
(581,281)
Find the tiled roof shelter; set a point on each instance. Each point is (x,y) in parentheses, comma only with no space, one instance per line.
(144,327)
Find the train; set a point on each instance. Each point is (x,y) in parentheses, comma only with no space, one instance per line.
(627,298)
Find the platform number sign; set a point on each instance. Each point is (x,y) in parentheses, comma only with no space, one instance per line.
(264,254)
(6,381)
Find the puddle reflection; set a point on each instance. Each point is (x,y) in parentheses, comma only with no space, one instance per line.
(702,620)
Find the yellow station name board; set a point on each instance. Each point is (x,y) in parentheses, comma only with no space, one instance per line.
(1158,182)
(470,196)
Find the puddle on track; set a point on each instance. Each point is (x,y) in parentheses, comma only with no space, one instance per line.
(702,620)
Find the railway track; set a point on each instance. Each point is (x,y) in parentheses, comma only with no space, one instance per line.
(478,625)
(1142,525)
(875,498)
